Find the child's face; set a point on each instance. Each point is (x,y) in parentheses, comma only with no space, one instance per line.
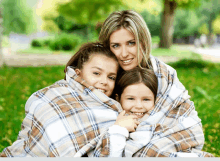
(100,72)
(137,99)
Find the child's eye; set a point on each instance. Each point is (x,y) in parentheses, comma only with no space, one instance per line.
(96,73)
(130,98)
(112,78)
(146,99)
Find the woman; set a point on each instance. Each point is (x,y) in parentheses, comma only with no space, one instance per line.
(175,126)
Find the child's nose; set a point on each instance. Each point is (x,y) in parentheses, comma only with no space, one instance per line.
(139,105)
(103,80)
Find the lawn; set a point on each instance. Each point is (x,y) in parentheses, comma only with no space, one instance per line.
(175,50)
(17,84)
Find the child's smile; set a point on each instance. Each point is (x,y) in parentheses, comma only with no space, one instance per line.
(137,99)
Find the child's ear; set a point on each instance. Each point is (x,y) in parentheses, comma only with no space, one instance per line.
(117,97)
(78,71)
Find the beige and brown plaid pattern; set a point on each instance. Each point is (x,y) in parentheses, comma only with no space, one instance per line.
(71,119)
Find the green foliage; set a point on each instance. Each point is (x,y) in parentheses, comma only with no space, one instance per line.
(43,50)
(208,13)
(65,41)
(50,26)
(189,4)
(153,22)
(82,12)
(5,41)
(216,25)
(155,39)
(17,17)
(46,42)
(203,29)
(36,43)
(15,89)
(186,23)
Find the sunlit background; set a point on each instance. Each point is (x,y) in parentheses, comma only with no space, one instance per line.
(38,37)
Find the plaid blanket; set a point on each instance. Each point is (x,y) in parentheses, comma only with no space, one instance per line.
(64,118)
(71,118)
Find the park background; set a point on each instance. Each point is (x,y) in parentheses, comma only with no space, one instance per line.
(38,37)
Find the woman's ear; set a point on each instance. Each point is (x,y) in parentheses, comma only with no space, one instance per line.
(78,71)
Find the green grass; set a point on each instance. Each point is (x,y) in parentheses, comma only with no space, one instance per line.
(175,50)
(17,84)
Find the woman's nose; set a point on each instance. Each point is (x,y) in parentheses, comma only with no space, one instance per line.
(124,52)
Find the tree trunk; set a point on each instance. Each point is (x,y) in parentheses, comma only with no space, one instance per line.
(1,35)
(167,28)
(210,31)
(211,19)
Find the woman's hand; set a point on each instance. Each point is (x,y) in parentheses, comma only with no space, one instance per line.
(129,122)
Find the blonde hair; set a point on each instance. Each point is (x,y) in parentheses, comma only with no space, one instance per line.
(133,22)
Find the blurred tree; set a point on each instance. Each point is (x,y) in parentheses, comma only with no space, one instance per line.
(209,11)
(17,17)
(87,13)
(203,29)
(1,35)
(167,20)
(153,22)
(186,23)
(216,25)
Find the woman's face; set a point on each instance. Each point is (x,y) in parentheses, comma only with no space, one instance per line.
(124,46)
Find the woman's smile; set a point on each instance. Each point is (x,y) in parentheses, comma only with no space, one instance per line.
(123,45)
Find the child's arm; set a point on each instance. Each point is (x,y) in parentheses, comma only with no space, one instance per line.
(119,132)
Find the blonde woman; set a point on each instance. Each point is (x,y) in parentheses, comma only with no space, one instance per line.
(172,128)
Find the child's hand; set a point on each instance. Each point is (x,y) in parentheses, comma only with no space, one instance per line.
(129,122)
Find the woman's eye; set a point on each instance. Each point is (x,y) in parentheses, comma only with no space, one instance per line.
(131,43)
